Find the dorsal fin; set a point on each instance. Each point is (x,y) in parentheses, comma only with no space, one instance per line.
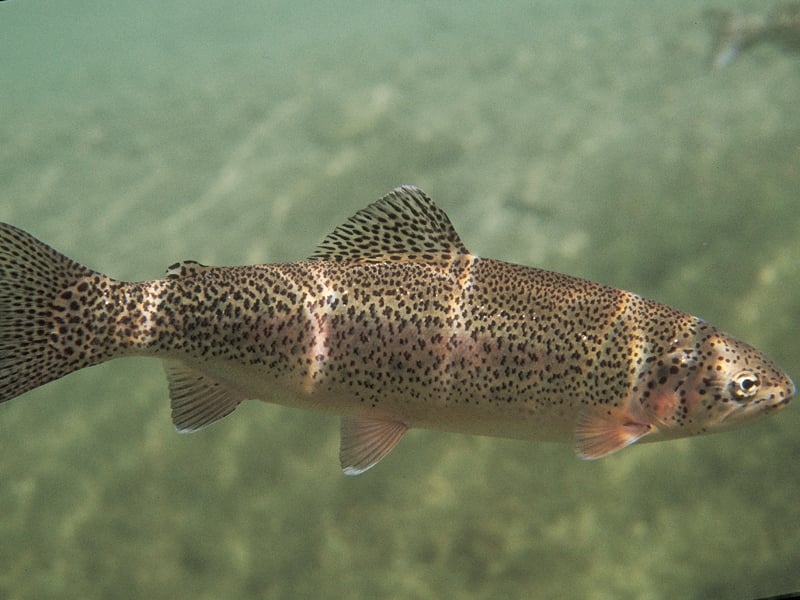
(185,269)
(403,225)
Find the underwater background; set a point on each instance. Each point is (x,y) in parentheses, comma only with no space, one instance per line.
(584,137)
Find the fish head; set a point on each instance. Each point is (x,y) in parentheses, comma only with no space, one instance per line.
(714,384)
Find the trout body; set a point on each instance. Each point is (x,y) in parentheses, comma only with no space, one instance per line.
(391,324)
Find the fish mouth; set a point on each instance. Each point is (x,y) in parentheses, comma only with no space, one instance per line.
(782,402)
(772,403)
(787,398)
(776,406)
(781,395)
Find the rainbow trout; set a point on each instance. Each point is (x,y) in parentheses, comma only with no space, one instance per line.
(392,323)
(735,33)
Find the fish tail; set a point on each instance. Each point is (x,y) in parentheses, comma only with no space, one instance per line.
(48,324)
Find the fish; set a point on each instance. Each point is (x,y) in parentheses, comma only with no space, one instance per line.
(391,324)
(735,32)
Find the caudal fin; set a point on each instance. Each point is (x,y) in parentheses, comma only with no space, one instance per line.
(44,300)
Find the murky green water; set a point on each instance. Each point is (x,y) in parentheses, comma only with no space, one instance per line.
(579,136)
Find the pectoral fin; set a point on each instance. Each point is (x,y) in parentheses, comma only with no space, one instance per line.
(366,441)
(599,432)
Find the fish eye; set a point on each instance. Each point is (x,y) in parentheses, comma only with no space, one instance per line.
(745,384)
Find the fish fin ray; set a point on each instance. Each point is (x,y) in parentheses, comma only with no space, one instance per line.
(403,225)
(196,399)
(366,441)
(599,433)
(41,336)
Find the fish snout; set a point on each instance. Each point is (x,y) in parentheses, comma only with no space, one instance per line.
(772,391)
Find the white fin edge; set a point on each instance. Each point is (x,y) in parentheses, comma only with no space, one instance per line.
(366,441)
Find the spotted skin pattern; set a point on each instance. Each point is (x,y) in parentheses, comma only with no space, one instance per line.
(391,324)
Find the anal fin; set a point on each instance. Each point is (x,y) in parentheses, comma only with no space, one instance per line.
(600,432)
(197,400)
(365,441)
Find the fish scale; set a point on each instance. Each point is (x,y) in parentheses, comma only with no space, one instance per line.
(391,324)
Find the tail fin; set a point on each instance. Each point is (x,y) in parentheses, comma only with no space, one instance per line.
(44,298)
